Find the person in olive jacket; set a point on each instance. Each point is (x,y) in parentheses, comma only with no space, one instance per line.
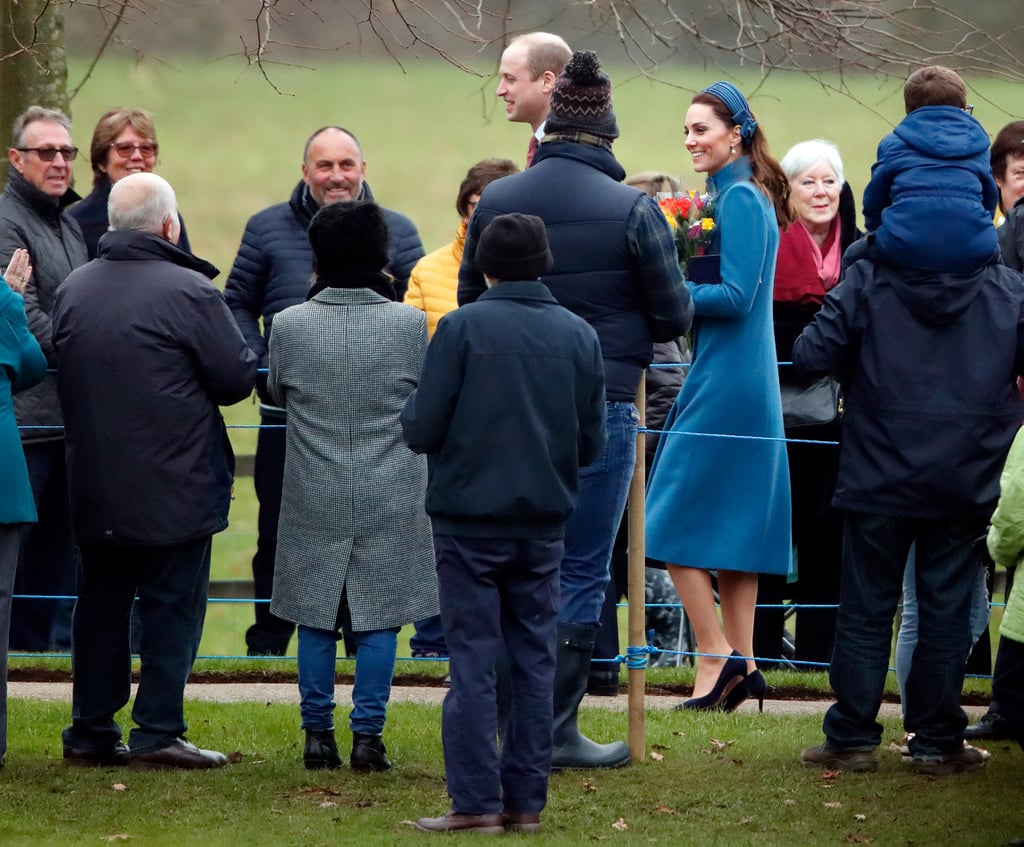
(146,352)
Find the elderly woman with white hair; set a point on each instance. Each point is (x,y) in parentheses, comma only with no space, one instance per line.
(809,262)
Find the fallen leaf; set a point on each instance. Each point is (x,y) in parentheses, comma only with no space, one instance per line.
(789,802)
(860,818)
(235,758)
(745,821)
(620,825)
(589,785)
(660,747)
(721,745)
(737,761)
(119,786)
(666,809)
(657,756)
(830,774)
(327,804)
(119,837)
(833,804)
(858,838)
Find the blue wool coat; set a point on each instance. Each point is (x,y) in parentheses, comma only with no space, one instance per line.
(723,503)
(22,365)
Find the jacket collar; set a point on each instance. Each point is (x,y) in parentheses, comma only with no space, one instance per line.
(126,246)
(519,289)
(736,171)
(348,296)
(43,204)
(304,206)
(597,157)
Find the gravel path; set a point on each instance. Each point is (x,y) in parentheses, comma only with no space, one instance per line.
(288,693)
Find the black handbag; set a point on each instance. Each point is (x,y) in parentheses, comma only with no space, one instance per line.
(813,403)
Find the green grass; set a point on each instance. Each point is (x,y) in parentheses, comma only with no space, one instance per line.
(718,780)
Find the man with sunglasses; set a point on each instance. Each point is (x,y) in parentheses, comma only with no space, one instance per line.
(32,215)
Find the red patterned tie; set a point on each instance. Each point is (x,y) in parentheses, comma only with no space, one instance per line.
(534,144)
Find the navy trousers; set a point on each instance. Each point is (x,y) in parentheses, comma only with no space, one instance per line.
(498,596)
(172,584)
(875,549)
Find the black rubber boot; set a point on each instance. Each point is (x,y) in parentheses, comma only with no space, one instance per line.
(571,750)
(321,750)
(368,753)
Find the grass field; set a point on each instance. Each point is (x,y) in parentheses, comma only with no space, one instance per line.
(231,145)
(713,780)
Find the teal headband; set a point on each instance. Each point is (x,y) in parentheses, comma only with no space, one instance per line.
(737,104)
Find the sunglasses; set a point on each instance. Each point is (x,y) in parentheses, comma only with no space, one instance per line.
(124,149)
(48,154)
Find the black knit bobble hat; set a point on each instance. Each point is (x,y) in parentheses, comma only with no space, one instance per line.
(514,246)
(348,237)
(581,100)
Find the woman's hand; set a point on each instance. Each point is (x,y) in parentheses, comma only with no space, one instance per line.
(18,270)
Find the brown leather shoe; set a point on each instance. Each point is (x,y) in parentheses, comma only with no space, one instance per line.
(178,754)
(524,823)
(490,824)
(77,757)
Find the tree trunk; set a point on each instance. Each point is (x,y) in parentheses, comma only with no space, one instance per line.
(33,63)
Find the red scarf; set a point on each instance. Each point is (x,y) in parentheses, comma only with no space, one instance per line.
(804,271)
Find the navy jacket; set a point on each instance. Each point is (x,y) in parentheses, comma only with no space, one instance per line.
(274,264)
(928,364)
(509,405)
(91,214)
(146,352)
(932,196)
(631,293)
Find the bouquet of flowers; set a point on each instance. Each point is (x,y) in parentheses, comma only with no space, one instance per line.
(692,218)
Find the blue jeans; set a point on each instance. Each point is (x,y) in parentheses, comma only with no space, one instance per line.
(875,550)
(510,587)
(375,666)
(172,583)
(906,638)
(590,532)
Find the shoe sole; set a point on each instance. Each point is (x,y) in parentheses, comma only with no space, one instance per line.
(946,768)
(92,763)
(160,766)
(473,830)
(523,828)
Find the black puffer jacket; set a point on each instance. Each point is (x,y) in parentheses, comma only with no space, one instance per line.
(37,222)
(146,352)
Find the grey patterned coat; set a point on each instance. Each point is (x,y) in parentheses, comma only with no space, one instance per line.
(352,513)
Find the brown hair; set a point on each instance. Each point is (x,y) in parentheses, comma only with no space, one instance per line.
(110,125)
(934,85)
(768,174)
(1009,142)
(478,177)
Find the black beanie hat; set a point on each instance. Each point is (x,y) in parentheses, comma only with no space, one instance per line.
(581,100)
(514,247)
(349,237)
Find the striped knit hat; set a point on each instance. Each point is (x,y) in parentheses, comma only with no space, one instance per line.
(581,100)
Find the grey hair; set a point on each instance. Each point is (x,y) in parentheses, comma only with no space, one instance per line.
(141,203)
(805,155)
(33,114)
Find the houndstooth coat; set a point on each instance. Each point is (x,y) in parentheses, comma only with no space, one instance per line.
(352,514)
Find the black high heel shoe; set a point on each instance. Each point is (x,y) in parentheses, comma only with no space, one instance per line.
(730,679)
(753,686)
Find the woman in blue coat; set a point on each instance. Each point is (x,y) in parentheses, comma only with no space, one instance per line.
(719,503)
(22,365)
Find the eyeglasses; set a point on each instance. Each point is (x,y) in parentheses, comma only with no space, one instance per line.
(969,108)
(48,154)
(124,149)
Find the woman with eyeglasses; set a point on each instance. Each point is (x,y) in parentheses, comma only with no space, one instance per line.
(124,142)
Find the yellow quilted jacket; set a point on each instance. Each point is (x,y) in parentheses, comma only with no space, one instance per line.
(434,281)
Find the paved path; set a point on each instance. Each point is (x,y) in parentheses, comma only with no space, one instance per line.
(289,693)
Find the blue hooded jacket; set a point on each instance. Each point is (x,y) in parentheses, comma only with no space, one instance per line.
(931,198)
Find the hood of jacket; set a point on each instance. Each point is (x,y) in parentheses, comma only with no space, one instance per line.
(935,299)
(943,132)
(129,246)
